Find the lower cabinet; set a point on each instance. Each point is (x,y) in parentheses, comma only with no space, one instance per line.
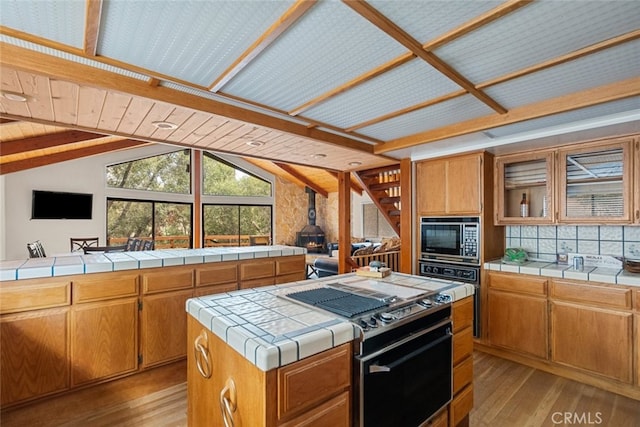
(34,358)
(222,384)
(462,402)
(517,314)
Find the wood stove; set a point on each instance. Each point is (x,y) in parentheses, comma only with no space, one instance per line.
(311,236)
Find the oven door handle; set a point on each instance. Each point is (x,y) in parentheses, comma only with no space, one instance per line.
(389,366)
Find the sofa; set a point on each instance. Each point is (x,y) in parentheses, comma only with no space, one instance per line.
(362,253)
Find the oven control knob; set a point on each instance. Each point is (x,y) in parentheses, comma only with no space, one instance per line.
(373,323)
(385,317)
(435,270)
(363,324)
(425,302)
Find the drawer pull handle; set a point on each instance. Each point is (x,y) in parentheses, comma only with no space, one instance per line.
(201,355)
(228,402)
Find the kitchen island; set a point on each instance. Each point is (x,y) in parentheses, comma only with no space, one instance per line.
(74,320)
(256,357)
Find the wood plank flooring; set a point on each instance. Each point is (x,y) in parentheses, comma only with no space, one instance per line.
(506,394)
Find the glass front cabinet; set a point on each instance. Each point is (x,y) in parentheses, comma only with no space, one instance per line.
(524,188)
(595,182)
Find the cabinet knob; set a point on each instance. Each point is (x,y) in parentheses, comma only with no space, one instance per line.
(201,355)
(228,399)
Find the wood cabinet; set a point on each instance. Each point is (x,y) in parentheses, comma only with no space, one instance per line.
(530,175)
(462,402)
(312,392)
(517,313)
(163,320)
(592,329)
(587,183)
(35,354)
(104,327)
(450,186)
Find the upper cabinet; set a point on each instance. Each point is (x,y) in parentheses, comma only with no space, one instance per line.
(524,188)
(582,183)
(450,186)
(595,182)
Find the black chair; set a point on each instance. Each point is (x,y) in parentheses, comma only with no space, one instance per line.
(147,245)
(36,250)
(79,243)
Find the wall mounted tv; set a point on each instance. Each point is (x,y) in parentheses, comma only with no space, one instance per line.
(61,205)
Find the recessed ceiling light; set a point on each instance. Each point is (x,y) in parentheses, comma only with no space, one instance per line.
(255,143)
(318,156)
(14,96)
(165,125)
(355,163)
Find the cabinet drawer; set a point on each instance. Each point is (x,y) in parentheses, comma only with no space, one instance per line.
(461,405)
(462,345)
(257,270)
(86,289)
(216,274)
(23,296)
(462,374)
(167,280)
(293,277)
(334,413)
(290,264)
(599,295)
(257,283)
(305,383)
(462,314)
(518,283)
(215,289)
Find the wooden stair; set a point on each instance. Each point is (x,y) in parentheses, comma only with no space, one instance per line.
(383,186)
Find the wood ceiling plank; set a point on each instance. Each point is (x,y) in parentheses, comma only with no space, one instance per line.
(136,112)
(65,101)
(114,108)
(92,26)
(189,126)
(209,126)
(91,101)
(45,141)
(398,34)
(158,113)
(10,82)
(178,116)
(606,93)
(39,96)
(301,177)
(28,60)
(67,155)
(211,140)
(287,20)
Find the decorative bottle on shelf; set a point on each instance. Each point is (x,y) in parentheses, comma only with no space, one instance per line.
(524,206)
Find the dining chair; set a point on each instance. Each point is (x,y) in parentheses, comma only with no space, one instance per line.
(147,245)
(36,250)
(79,243)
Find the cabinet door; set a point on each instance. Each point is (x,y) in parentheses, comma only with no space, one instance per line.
(595,183)
(518,322)
(104,340)
(594,339)
(464,183)
(530,175)
(202,403)
(431,179)
(164,327)
(636,182)
(33,354)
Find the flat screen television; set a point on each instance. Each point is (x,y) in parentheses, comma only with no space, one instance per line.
(61,205)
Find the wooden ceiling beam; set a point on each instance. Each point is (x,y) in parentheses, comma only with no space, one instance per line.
(92,27)
(385,24)
(599,95)
(300,177)
(61,69)
(45,141)
(280,26)
(33,162)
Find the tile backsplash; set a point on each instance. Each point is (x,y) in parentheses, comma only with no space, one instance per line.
(545,241)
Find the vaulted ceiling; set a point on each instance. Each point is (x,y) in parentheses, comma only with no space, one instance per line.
(332,85)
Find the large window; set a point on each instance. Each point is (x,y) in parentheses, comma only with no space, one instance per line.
(168,224)
(236,225)
(221,178)
(169,173)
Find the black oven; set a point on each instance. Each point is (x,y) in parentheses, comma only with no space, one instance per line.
(406,382)
(450,238)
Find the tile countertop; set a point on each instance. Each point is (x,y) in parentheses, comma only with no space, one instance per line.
(551,269)
(71,263)
(270,331)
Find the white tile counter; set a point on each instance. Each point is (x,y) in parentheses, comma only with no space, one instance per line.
(271,331)
(67,264)
(592,274)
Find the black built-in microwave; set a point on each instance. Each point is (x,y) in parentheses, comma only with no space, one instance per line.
(455,239)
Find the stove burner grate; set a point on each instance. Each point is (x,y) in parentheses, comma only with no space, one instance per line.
(337,301)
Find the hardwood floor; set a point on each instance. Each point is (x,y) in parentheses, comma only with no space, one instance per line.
(507,394)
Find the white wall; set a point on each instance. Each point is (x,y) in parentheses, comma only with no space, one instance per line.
(83,176)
